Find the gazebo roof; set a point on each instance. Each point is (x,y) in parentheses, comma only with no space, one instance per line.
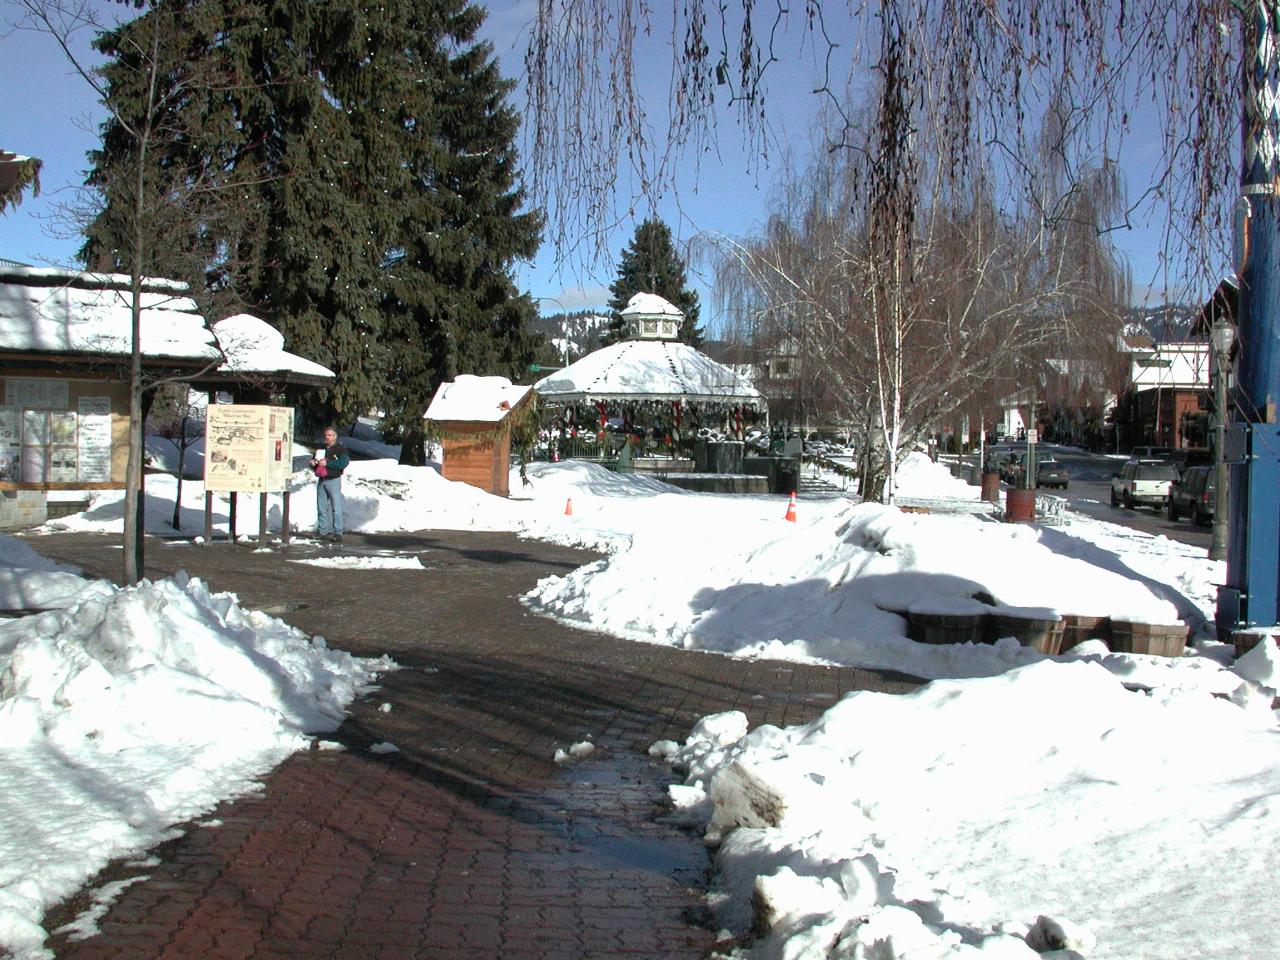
(648,370)
(650,305)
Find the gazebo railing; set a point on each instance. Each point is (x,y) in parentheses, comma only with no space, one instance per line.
(586,446)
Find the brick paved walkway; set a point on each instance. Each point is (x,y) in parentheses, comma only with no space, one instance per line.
(470,842)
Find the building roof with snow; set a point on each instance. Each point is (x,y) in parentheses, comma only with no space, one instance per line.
(648,370)
(1183,365)
(17,174)
(57,316)
(472,399)
(255,349)
(70,314)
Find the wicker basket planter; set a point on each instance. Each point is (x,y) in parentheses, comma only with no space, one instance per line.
(1036,627)
(1078,627)
(1156,639)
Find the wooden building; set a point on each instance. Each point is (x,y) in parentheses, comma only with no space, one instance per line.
(65,343)
(473,417)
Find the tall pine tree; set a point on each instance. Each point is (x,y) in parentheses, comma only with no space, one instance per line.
(378,215)
(454,299)
(651,264)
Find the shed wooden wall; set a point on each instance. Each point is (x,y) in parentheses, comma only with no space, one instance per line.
(482,459)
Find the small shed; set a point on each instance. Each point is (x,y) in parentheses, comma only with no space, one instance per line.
(474,417)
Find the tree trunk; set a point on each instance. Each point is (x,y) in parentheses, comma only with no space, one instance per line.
(182,458)
(133,563)
(413,446)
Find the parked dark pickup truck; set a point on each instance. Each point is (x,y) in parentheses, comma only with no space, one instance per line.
(1195,495)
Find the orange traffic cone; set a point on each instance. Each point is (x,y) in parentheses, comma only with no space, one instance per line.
(568,507)
(791,509)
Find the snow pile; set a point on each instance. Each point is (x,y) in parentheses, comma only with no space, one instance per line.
(29,581)
(729,574)
(835,585)
(1046,808)
(135,709)
(363,563)
(379,495)
(919,478)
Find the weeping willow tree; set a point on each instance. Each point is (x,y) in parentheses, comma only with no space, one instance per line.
(903,298)
(988,67)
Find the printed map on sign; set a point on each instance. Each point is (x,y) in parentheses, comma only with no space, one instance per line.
(250,447)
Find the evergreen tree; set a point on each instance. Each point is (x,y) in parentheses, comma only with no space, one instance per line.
(377,216)
(454,300)
(650,264)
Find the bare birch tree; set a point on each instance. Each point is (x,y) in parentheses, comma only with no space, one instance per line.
(907,296)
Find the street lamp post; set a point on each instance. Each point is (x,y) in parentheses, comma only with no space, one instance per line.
(564,351)
(1223,336)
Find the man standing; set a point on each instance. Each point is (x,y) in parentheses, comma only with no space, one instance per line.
(328,465)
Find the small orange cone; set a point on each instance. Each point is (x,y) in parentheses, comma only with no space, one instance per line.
(791,509)
(568,507)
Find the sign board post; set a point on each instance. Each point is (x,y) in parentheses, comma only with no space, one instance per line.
(248,449)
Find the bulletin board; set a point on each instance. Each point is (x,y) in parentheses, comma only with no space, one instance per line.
(59,433)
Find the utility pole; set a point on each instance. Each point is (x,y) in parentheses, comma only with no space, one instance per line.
(1221,337)
(1252,443)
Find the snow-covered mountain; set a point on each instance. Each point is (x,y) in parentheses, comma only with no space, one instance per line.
(1165,323)
(573,334)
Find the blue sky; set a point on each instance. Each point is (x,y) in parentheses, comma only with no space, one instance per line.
(47,111)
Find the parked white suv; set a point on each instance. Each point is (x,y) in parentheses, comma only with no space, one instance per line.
(1143,482)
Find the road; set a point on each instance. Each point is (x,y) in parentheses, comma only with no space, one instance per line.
(1090,493)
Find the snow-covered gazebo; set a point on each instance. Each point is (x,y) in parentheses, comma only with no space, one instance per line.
(652,386)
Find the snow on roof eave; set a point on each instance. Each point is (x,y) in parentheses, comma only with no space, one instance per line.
(281,376)
(107,357)
(88,280)
(592,396)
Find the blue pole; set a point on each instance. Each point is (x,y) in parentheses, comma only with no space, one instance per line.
(1253,580)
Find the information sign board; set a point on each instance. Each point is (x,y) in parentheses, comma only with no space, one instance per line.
(248,447)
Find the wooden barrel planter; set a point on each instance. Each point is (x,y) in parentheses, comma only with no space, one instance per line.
(1020,505)
(965,622)
(1078,627)
(1246,640)
(991,487)
(1156,639)
(1037,627)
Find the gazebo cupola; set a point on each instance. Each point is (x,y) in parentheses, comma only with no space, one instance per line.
(649,317)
